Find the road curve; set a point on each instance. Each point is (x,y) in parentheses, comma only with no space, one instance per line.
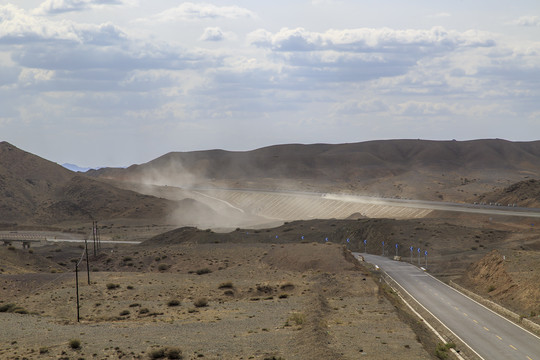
(488,334)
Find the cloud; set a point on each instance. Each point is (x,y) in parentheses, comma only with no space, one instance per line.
(69,46)
(19,27)
(527,21)
(440,15)
(362,54)
(370,40)
(54,7)
(192,11)
(213,34)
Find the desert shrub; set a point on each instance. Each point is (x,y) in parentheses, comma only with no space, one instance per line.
(287,286)
(43,350)
(12,248)
(283,296)
(111,286)
(30,251)
(267,289)
(442,350)
(203,271)
(163,267)
(169,353)
(173,353)
(7,307)
(130,287)
(12,308)
(144,311)
(124,313)
(157,354)
(297,318)
(75,344)
(226,285)
(173,302)
(202,302)
(228,292)
(19,310)
(127,258)
(491,288)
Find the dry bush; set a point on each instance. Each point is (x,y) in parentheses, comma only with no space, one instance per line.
(202,302)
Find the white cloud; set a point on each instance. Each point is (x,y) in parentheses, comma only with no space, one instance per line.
(212,34)
(527,21)
(70,46)
(370,39)
(201,11)
(53,7)
(18,27)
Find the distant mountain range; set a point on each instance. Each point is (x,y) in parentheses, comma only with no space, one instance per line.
(36,191)
(422,169)
(76,168)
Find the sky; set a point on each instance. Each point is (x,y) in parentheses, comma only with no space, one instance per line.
(121,82)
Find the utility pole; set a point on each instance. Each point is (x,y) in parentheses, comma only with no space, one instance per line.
(98,237)
(77,287)
(94,234)
(87,262)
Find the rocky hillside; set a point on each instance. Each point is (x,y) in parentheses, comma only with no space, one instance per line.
(523,193)
(511,280)
(37,191)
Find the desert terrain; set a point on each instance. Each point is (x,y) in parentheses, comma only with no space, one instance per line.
(221,276)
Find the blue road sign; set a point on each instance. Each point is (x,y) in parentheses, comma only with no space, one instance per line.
(348,240)
(418,249)
(326,239)
(302,237)
(425,253)
(365,241)
(396,246)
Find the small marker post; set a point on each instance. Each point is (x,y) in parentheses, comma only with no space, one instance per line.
(365,246)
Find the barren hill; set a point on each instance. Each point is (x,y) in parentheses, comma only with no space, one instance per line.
(36,191)
(523,193)
(450,170)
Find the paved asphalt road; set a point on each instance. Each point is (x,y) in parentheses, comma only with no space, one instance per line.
(491,336)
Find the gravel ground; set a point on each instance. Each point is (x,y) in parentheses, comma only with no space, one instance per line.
(259,306)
